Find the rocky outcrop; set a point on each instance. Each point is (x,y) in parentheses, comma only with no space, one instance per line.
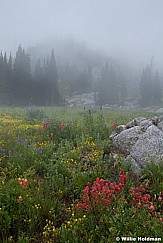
(140,140)
(160,110)
(82,100)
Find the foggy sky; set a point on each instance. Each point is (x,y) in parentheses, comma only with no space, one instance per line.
(130,29)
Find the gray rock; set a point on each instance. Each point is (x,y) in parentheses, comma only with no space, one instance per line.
(126,139)
(141,142)
(136,122)
(82,100)
(160,119)
(120,128)
(144,124)
(160,125)
(113,135)
(135,167)
(148,146)
(139,120)
(160,110)
(130,124)
(155,120)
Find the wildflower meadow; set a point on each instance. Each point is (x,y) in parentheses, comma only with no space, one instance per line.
(58,185)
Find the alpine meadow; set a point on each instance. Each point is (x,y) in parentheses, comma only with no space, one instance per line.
(81,121)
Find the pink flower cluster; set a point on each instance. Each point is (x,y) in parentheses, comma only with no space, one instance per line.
(23,182)
(20,198)
(47,124)
(101,192)
(122,177)
(140,197)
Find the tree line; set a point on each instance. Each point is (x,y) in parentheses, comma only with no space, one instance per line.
(111,86)
(19,86)
(46,84)
(113,89)
(150,87)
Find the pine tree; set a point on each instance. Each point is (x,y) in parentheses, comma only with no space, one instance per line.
(122,89)
(51,75)
(108,86)
(146,87)
(45,83)
(39,85)
(150,88)
(3,79)
(9,79)
(69,74)
(21,82)
(157,89)
(83,81)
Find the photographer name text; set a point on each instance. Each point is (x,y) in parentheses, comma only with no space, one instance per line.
(138,239)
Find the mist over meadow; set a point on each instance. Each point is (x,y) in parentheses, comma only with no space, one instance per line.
(53,50)
(81,121)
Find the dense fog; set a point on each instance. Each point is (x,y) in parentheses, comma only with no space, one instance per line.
(52,50)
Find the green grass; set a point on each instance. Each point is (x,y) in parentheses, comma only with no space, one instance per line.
(57,152)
